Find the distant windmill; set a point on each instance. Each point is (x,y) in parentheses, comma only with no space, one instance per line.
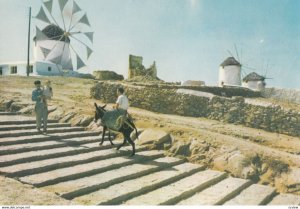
(233,69)
(67,39)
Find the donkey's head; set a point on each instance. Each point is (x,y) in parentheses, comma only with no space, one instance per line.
(99,112)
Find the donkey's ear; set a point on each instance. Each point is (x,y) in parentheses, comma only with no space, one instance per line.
(96,105)
(103,106)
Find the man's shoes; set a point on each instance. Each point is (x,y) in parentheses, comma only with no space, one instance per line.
(45,131)
(38,130)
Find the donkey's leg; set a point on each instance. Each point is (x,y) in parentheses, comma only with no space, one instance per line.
(110,138)
(121,145)
(127,134)
(103,134)
(124,141)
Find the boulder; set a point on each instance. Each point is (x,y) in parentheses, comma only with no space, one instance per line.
(16,106)
(133,135)
(181,148)
(5,104)
(57,114)
(154,137)
(27,110)
(290,180)
(67,117)
(107,75)
(237,164)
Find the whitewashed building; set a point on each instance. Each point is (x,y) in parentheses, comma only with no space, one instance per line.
(254,81)
(230,73)
(44,59)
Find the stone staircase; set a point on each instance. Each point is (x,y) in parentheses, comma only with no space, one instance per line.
(69,162)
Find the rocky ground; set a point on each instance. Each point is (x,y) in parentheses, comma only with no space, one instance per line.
(265,157)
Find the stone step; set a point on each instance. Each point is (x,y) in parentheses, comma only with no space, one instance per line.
(10,113)
(79,187)
(255,194)
(88,169)
(31,126)
(31,132)
(13,159)
(42,138)
(179,190)
(116,194)
(285,199)
(19,120)
(31,168)
(218,193)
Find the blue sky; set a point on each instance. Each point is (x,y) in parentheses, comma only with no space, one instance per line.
(188,39)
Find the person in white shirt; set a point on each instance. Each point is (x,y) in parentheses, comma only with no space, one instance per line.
(122,101)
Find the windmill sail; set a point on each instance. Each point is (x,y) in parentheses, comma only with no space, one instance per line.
(42,16)
(76,8)
(48,5)
(45,51)
(40,36)
(69,65)
(90,35)
(80,63)
(89,52)
(84,20)
(56,60)
(62,4)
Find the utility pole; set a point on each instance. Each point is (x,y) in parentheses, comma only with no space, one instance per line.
(28,49)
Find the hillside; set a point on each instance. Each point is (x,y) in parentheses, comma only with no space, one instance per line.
(265,157)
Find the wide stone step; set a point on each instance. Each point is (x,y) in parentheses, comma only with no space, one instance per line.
(79,187)
(218,193)
(10,113)
(49,137)
(285,199)
(88,169)
(30,168)
(253,195)
(19,120)
(32,132)
(116,194)
(31,126)
(184,188)
(13,159)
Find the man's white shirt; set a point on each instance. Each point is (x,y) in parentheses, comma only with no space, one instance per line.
(123,102)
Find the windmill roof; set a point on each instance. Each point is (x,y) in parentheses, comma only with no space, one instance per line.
(54,32)
(253,77)
(230,61)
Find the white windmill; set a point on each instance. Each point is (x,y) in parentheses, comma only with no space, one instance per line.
(65,42)
(232,70)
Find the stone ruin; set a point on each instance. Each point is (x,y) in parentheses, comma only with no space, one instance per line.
(136,68)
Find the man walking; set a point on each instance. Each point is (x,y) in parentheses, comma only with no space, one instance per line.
(41,109)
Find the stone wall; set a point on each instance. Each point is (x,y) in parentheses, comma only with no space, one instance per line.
(170,100)
(290,95)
